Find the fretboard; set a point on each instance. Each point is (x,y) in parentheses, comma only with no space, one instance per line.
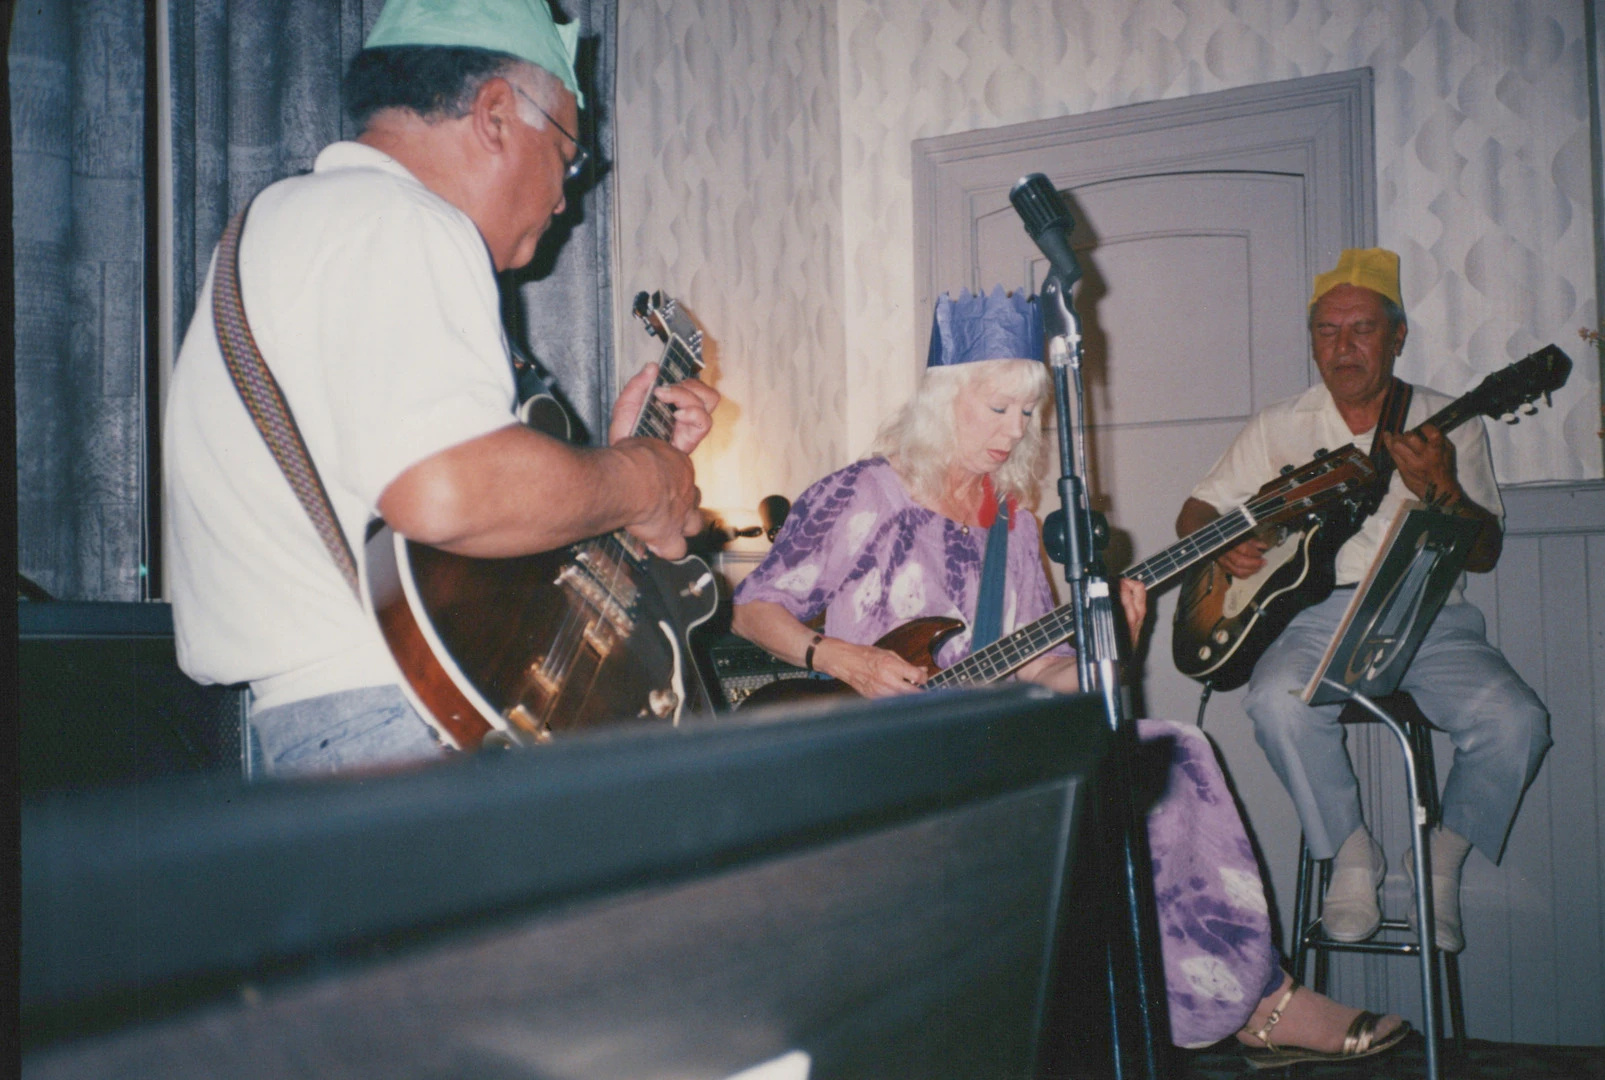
(677,364)
(1035,638)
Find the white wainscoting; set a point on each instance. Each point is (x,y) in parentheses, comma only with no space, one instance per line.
(1534,966)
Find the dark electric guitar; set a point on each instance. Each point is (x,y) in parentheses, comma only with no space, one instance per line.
(1224,624)
(1343,474)
(512,650)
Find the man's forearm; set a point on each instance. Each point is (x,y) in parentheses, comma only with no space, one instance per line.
(514,492)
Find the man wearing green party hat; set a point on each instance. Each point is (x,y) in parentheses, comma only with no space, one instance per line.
(369,287)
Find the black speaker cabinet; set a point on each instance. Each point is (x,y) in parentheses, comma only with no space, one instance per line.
(102,700)
(872,890)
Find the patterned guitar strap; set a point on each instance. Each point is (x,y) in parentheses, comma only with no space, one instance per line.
(1394,409)
(260,392)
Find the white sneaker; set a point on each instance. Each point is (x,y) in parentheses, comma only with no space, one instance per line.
(1446,930)
(1350,911)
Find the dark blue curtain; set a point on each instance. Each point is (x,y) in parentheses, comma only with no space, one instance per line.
(77,84)
(254,97)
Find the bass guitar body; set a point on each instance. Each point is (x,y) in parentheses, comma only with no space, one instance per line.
(518,649)
(915,641)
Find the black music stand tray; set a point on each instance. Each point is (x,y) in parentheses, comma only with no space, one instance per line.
(1417,565)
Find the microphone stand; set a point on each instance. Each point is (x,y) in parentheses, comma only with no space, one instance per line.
(1138,1012)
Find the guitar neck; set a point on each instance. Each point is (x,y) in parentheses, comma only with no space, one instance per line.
(1035,638)
(677,364)
(1195,546)
(1451,415)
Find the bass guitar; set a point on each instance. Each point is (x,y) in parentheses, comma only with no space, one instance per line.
(1343,474)
(509,651)
(1223,624)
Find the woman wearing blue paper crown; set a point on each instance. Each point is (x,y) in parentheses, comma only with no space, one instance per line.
(936,522)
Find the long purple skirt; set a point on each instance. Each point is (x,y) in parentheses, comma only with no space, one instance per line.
(1214,921)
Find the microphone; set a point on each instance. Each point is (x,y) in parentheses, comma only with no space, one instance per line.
(1048,223)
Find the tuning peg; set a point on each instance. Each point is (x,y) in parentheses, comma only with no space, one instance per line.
(1532,410)
(1514,419)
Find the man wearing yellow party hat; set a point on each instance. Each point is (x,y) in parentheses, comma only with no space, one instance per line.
(369,287)
(1461,683)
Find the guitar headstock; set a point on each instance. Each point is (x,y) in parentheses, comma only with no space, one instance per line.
(661,316)
(1522,383)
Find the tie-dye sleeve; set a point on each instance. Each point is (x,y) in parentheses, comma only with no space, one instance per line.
(813,552)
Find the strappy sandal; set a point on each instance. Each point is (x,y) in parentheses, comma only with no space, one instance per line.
(1358,1042)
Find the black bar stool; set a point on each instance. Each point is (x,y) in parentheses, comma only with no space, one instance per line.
(1313,877)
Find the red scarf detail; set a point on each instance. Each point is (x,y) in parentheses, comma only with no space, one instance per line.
(988,512)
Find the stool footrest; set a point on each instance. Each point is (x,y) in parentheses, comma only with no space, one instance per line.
(1401,948)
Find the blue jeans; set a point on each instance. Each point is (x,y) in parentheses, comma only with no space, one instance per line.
(375,725)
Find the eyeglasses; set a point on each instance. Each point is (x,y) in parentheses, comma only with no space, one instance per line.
(581,156)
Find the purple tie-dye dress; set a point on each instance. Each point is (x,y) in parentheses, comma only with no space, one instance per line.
(857,547)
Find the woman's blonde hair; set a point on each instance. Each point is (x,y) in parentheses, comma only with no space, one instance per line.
(922,438)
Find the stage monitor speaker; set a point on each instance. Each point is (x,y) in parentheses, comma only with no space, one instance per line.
(864,890)
(102,700)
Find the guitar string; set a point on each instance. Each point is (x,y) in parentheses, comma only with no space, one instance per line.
(1037,637)
(1022,645)
(656,420)
(1043,634)
(610,552)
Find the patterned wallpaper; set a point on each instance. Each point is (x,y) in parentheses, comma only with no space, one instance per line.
(774,189)
(729,198)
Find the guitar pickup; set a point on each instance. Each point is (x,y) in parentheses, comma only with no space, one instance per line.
(632,545)
(609,574)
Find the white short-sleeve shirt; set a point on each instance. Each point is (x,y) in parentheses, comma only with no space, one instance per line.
(374,303)
(1290,432)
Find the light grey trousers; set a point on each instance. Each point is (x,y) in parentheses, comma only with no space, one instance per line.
(1462,684)
(373,726)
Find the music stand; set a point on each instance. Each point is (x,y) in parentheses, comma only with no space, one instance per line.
(1416,566)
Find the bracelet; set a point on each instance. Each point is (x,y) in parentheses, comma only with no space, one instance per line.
(808,657)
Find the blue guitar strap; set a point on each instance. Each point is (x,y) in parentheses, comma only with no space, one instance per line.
(994,566)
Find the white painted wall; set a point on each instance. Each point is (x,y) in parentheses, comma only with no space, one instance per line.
(764,177)
(729,197)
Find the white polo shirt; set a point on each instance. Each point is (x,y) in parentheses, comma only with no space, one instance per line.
(374,302)
(1290,432)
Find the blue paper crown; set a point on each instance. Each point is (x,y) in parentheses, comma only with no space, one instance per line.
(995,326)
